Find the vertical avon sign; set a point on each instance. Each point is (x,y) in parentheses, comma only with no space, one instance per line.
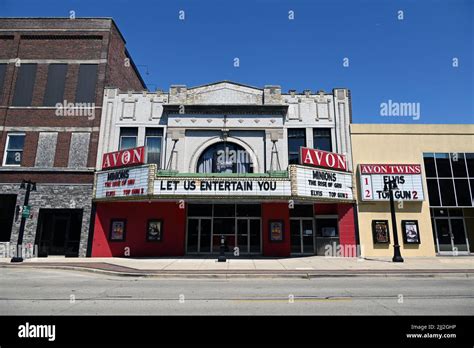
(319,158)
(123,158)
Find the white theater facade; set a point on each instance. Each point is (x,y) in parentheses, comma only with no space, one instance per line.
(269,171)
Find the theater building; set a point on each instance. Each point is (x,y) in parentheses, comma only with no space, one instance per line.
(271,172)
(52,77)
(434,169)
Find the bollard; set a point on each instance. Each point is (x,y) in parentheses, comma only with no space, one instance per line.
(221,257)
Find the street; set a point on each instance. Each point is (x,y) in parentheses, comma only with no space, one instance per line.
(60,292)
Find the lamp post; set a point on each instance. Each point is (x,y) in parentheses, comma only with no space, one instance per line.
(389,186)
(30,186)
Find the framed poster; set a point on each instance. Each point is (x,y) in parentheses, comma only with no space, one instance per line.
(276,230)
(411,232)
(117,230)
(380,231)
(154,230)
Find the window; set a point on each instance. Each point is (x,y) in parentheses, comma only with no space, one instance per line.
(14,149)
(25,82)
(3,69)
(451,172)
(153,145)
(296,139)
(442,163)
(433,192)
(446,188)
(430,168)
(470,164)
(322,139)
(86,83)
(225,158)
(128,138)
(462,192)
(55,85)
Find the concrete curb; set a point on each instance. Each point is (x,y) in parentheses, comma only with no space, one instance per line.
(269,274)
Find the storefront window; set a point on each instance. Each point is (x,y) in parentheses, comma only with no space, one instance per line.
(296,139)
(225,158)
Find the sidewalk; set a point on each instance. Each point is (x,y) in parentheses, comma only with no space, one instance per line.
(306,267)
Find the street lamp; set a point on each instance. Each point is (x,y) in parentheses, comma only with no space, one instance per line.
(389,186)
(30,186)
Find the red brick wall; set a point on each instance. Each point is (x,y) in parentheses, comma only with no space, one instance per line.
(62,149)
(119,75)
(111,46)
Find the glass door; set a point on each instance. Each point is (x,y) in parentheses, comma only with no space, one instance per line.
(255,236)
(199,235)
(307,233)
(459,235)
(451,235)
(243,236)
(302,236)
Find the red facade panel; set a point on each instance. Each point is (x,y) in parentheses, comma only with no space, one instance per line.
(137,215)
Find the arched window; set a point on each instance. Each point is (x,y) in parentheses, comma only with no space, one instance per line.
(225,157)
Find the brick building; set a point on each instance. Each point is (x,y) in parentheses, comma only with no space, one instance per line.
(52,76)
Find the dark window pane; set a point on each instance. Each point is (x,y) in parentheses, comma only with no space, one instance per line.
(459,165)
(226,210)
(153,150)
(14,152)
(455,212)
(327,228)
(433,192)
(128,137)
(322,139)
(296,139)
(154,132)
(222,226)
(302,210)
(16,141)
(429,165)
(55,84)
(447,192)
(128,143)
(248,210)
(200,210)
(470,164)
(25,82)
(86,83)
(440,212)
(471,181)
(442,163)
(3,69)
(462,192)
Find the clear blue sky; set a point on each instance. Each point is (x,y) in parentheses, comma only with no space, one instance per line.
(404,61)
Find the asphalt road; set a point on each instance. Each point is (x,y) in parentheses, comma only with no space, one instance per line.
(58,292)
